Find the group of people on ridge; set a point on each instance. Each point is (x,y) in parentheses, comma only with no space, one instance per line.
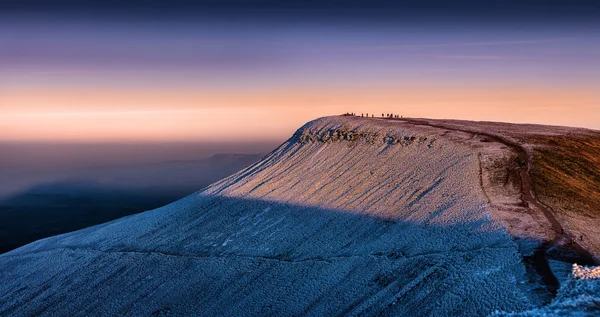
(363,115)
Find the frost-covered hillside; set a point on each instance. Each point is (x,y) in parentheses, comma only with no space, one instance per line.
(579,296)
(350,216)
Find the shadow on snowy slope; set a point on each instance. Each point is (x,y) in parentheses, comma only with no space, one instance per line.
(215,255)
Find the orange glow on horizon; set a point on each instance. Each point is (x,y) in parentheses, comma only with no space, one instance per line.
(170,115)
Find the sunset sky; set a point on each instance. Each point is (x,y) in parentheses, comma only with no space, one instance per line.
(218,71)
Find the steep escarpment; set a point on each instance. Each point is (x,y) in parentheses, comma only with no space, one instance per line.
(356,134)
(350,216)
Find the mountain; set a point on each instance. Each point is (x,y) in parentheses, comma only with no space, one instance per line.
(350,216)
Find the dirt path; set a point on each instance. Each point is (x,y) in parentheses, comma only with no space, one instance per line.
(539,259)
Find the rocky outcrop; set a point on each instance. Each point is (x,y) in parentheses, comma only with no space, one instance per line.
(355,135)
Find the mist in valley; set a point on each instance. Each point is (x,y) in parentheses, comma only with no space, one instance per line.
(54,188)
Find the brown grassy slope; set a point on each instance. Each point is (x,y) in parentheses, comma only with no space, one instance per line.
(566,172)
(565,176)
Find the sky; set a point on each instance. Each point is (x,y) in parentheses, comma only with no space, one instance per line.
(237,71)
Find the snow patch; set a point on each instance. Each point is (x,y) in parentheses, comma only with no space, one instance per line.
(585,273)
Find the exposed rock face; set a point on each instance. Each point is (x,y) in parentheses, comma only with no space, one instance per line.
(350,216)
(356,135)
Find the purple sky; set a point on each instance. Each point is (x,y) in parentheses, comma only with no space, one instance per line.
(113,79)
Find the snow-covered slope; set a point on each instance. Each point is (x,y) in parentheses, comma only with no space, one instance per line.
(349,216)
(579,296)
